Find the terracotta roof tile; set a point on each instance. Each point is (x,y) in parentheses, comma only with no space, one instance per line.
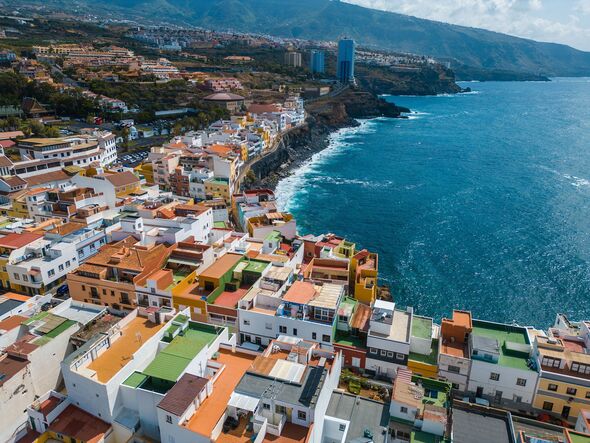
(182,394)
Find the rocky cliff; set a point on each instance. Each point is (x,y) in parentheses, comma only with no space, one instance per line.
(325,116)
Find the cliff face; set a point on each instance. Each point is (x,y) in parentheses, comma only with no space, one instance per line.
(325,116)
(428,80)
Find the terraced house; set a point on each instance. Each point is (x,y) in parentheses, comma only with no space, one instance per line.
(109,278)
(562,358)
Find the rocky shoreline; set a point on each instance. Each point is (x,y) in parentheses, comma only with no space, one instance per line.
(325,116)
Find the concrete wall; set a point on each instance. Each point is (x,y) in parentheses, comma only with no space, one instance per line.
(507,383)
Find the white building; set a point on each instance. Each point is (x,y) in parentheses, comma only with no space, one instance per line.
(388,339)
(303,309)
(500,367)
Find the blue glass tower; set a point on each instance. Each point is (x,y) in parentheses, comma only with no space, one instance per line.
(345,66)
(316,61)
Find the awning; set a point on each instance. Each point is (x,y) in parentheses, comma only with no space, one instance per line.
(243,402)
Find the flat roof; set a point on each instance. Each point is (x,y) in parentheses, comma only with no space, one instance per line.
(82,313)
(221,266)
(214,406)
(505,334)
(481,425)
(362,414)
(171,361)
(303,393)
(229,299)
(421,327)
(119,354)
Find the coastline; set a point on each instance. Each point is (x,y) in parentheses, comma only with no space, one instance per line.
(325,118)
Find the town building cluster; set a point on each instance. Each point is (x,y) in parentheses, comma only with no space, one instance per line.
(175,307)
(165,302)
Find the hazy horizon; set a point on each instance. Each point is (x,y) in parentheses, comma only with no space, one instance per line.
(555,21)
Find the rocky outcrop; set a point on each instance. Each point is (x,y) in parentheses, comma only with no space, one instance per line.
(427,80)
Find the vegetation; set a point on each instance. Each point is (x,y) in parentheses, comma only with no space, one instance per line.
(329,20)
(28,127)
(14,87)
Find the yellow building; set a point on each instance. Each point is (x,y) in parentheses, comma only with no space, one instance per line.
(364,269)
(218,188)
(125,183)
(18,207)
(147,171)
(563,360)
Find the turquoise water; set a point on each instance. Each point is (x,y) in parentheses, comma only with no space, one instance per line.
(478,201)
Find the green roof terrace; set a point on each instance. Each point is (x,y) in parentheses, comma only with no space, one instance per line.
(256,266)
(513,342)
(422,327)
(170,362)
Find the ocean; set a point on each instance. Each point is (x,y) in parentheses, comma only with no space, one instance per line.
(477,201)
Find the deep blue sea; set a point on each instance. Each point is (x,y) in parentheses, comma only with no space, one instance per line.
(478,201)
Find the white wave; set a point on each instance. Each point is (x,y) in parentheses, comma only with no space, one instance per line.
(288,188)
(578,182)
(470,93)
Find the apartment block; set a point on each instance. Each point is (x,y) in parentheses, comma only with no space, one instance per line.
(564,369)
(388,339)
(301,309)
(109,278)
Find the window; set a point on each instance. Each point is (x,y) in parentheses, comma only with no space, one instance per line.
(169,419)
(16,277)
(403,410)
(323,314)
(301,415)
(494,376)
(266,406)
(51,273)
(68,264)
(314,336)
(326,338)
(342,427)
(552,387)
(25,277)
(456,386)
(571,391)
(283,329)
(383,352)
(372,351)
(125,298)
(454,369)
(104,292)
(400,356)
(246,322)
(587,394)
(295,332)
(61,267)
(390,354)
(547,406)
(83,288)
(521,381)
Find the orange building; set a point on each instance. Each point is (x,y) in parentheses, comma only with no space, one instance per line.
(110,276)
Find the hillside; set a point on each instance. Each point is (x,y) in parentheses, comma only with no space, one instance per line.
(329,20)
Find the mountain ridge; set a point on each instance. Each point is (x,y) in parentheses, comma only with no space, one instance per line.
(329,20)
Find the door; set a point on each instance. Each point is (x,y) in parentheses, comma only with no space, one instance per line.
(479,391)
(565,412)
(498,397)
